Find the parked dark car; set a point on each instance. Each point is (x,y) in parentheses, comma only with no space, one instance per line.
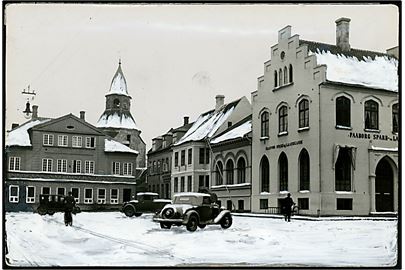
(193,210)
(50,204)
(146,202)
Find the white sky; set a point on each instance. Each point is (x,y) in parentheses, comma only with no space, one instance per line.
(175,58)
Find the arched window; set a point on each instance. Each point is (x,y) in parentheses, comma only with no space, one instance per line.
(219,173)
(285,75)
(343,112)
(371,114)
(283,171)
(303,113)
(291,73)
(304,170)
(229,172)
(343,170)
(265,175)
(241,167)
(280,77)
(275,78)
(265,124)
(116,103)
(395,118)
(282,119)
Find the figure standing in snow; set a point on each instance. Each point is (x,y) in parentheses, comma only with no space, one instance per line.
(286,207)
(69,205)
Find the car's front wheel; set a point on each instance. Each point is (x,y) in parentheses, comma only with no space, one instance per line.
(226,221)
(165,225)
(129,211)
(192,224)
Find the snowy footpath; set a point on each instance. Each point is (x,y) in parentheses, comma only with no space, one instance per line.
(112,239)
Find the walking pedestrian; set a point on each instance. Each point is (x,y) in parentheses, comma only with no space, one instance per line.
(287,205)
(69,205)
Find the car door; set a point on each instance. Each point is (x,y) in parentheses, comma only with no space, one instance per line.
(205,210)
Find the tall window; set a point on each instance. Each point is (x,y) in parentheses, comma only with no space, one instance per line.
(371,114)
(343,170)
(30,197)
(47,139)
(13,195)
(183,157)
(201,156)
(182,184)
(47,164)
(46,190)
(275,79)
(282,119)
(75,194)
(285,75)
(264,174)
(241,168)
(101,196)
(76,166)
(304,170)
(219,173)
(114,196)
(265,124)
(176,159)
(283,171)
(89,167)
(14,163)
(229,172)
(280,77)
(76,141)
(189,155)
(303,113)
(61,165)
(291,73)
(60,191)
(90,142)
(395,118)
(176,184)
(62,140)
(207,156)
(127,168)
(343,112)
(116,168)
(189,183)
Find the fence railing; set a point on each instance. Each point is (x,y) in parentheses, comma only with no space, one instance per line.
(277,210)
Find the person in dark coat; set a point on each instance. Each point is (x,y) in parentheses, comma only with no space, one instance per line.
(287,205)
(69,205)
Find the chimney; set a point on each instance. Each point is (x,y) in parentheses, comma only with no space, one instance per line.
(82,114)
(342,34)
(219,101)
(34,112)
(14,125)
(185,120)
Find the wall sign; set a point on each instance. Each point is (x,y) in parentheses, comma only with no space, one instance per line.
(368,136)
(283,145)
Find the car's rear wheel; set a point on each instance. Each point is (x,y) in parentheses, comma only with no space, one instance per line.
(50,212)
(138,214)
(226,221)
(165,225)
(192,223)
(41,211)
(129,211)
(202,226)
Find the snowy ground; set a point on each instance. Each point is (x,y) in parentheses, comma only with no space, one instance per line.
(112,239)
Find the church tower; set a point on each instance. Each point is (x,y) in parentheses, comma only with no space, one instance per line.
(117,121)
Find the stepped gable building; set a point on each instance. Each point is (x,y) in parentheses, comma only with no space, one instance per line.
(55,156)
(191,167)
(160,160)
(117,121)
(325,127)
(232,164)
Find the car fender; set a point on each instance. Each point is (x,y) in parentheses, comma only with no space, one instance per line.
(221,215)
(188,214)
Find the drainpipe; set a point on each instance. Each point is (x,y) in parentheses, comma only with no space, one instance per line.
(319,150)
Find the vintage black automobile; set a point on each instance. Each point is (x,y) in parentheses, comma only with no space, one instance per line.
(49,204)
(193,210)
(146,202)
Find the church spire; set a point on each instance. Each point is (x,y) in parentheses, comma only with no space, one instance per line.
(118,83)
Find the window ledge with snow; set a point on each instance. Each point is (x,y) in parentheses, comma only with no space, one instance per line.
(284,192)
(344,192)
(372,130)
(283,86)
(343,127)
(304,191)
(303,129)
(265,193)
(283,133)
(264,138)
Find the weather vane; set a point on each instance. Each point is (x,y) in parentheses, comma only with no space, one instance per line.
(27,112)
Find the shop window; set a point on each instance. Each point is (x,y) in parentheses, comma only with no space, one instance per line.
(303,113)
(343,169)
(283,171)
(14,193)
(219,173)
(114,196)
(241,169)
(30,194)
(343,112)
(88,195)
(282,119)
(395,120)
(304,170)
(75,194)
(303,203)
(46,190)
(264,203)
(101,196)
(264,174)
(61,191)
(371,114)
(344,204)
(229,172)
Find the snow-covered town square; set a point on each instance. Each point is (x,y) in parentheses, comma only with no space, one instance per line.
(112,239)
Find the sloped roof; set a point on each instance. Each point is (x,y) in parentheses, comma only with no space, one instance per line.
(356,67)
(116,120)
(118,83)
(113,146)
(238,130)
(19,136)
(208,123)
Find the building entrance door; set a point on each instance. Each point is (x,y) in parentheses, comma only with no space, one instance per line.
(126,195)
(384,187)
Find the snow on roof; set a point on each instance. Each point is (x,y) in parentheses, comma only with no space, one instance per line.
(116,121)
(192,194)
(118,83)
(380,72)
(206,125)
(114,146)
(237,132)
(19,136)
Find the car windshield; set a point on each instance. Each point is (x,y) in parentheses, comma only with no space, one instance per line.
(193,200)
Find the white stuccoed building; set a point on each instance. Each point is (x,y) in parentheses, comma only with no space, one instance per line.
(325,127)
